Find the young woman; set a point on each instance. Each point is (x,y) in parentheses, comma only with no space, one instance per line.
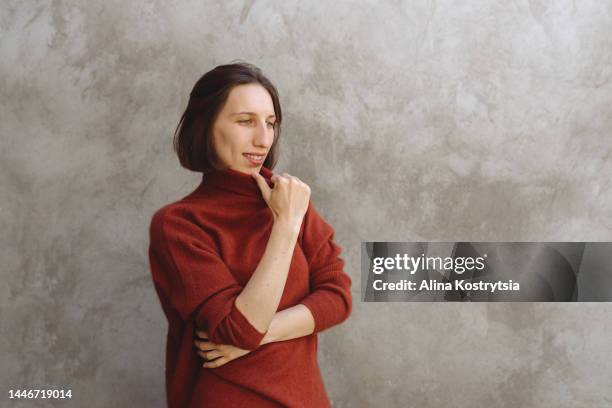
(246,270)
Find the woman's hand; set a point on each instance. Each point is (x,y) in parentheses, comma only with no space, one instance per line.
(220,354)
(288,200)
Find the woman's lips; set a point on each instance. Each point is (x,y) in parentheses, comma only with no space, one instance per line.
(254,159)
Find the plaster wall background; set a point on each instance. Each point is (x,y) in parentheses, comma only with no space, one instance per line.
(411,121)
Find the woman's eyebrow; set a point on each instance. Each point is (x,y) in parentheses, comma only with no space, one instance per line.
(251,113)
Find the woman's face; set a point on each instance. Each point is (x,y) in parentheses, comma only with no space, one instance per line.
(244,127)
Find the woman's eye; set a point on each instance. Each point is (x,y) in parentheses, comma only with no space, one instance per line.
(250,121)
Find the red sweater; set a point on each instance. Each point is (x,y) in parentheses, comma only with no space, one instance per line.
(203,250)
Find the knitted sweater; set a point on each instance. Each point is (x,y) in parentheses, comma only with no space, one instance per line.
(203,250)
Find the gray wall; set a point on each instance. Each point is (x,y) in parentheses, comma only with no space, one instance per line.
(413,121)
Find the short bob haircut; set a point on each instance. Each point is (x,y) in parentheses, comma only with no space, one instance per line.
(193,135)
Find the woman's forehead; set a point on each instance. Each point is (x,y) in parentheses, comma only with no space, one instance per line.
(251,98)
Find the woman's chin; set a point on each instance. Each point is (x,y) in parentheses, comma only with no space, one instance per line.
(245,170)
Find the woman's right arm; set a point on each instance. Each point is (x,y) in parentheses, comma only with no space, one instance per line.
(288,201)
(192,279)
(261,296)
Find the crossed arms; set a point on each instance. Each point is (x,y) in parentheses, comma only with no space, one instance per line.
(200,286)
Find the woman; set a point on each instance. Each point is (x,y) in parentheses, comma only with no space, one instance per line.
(244,263)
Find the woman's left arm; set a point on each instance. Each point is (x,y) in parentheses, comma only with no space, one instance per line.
(291,323)
(329,300)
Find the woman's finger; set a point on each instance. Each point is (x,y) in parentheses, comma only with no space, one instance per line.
(215,363)
(210,355)
(289,177)
(202,334)
(263,185)
(205,345)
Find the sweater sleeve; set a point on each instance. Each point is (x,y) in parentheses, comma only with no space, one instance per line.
(190,274)
(329,300)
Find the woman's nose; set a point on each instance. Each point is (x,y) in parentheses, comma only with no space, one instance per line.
(263,137)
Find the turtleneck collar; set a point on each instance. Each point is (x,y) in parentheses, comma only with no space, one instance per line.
(234,181)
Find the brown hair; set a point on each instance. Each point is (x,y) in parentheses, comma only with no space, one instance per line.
(193,135)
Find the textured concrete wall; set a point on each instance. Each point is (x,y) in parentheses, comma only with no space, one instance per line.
(416,120)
